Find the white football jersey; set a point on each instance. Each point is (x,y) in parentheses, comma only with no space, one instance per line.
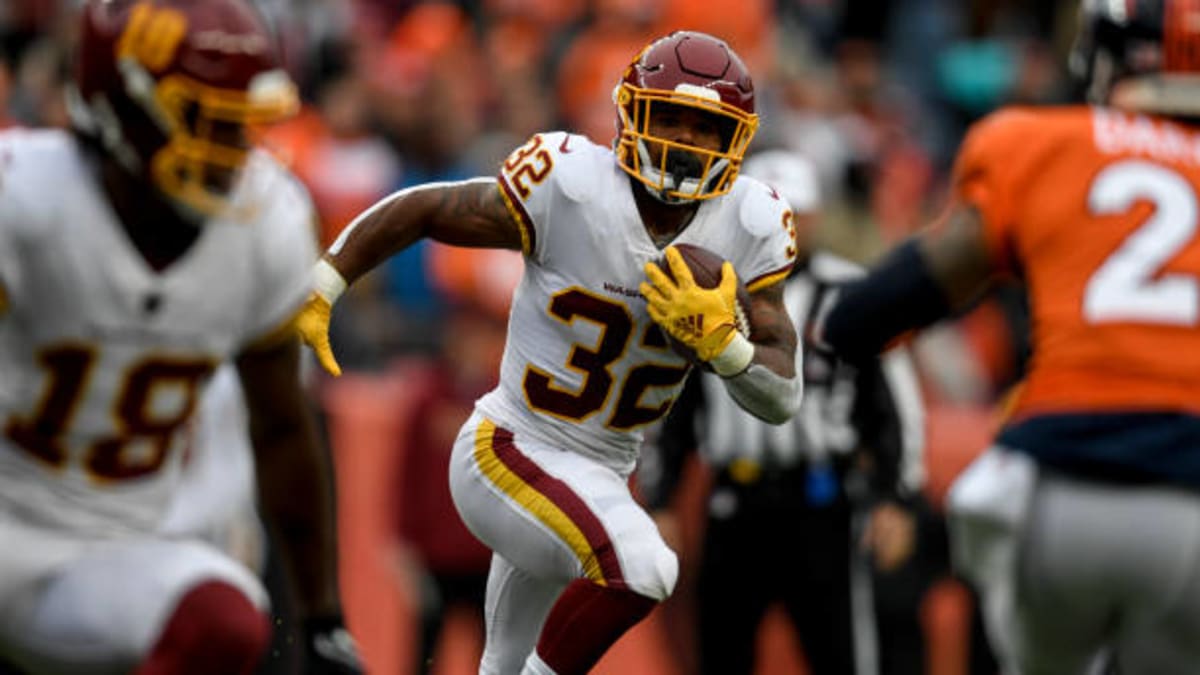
(102,359)
(585,368)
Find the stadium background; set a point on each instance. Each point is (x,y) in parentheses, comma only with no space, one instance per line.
(876,93)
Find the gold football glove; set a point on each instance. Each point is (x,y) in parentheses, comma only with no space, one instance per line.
(313,321)
(313,325)
(701,318)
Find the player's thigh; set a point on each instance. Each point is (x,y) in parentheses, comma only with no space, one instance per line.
(999,520)
(101,608)
(555,514)
(1160,629)
(1093,571)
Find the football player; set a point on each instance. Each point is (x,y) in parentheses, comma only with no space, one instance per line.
(1081,527)
(539,472)
(137,254)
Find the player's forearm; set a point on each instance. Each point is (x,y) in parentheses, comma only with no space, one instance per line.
(769,387)
(900,294)
(296,498)
(765,393)
(774,333)
(777,355)
(940,271)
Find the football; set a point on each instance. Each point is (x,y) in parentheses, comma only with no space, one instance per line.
(706,270)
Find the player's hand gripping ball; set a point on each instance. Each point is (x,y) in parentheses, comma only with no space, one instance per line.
(696,298)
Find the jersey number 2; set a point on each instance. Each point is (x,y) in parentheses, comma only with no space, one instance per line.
(1128,286)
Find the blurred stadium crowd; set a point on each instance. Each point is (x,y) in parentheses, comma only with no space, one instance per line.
(875,93)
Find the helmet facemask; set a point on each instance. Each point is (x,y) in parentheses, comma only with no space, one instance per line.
(173,91)
(208,133)
(674,172)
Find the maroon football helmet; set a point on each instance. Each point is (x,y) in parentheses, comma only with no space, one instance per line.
(693,70)
(170,89)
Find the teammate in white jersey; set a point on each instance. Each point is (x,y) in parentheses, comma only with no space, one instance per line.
(136,255)
(539,472)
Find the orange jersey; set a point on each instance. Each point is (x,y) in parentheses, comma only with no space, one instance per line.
(1097,211)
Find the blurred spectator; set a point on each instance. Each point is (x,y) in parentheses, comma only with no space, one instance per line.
(595,58)
(428,90)
(888,175)
(855,126)
(333,147)
(438,556)
(517,49)
(552,16)
(487,276)
(746,27)
(304,27)
(1002,55)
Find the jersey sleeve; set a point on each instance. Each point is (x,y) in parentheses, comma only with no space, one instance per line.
(984,178)
(287,250)
(769,250)
(534,177)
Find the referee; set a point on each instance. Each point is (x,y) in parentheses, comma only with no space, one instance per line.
(818,513)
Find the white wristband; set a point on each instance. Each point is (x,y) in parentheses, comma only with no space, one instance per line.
(327,281)
(735,358)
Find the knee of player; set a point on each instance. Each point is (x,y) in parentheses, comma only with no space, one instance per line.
(652,571)
(214,624)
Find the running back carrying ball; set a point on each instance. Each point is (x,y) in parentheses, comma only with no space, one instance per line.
(706,271)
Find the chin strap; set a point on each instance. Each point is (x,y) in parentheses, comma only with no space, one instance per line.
(677,178)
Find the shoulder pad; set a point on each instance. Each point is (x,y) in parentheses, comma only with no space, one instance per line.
(558,162)
(1013,124)
(263,174)
(35,164)
(761,208)
(47,152)
(576,161)
(271,190)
